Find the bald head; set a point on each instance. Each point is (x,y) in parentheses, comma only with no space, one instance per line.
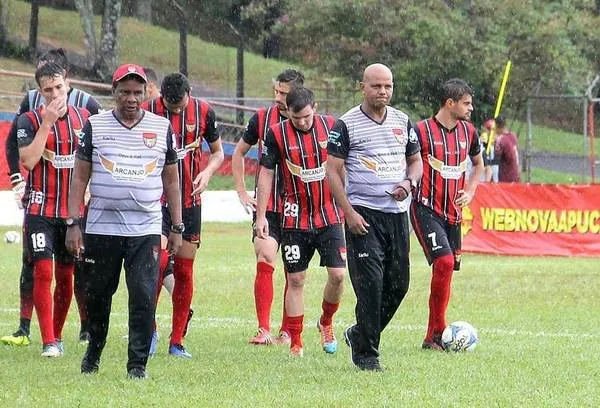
(377,87)
(376,71)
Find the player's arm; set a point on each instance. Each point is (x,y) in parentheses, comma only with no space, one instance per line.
(170,181)
(31,153)
(338,145)
(243,146)
(216,154)
(79,181)
(414,166)
(268,160)
(466,196)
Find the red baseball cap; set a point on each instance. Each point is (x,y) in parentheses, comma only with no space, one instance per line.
(489,124)
(129,69)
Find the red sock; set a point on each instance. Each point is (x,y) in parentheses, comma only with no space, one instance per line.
(42,298)
(263,294)
(295,327)
(163,262)
(329,310)
(63,293)
(183,271)
(284,317)
(441,278)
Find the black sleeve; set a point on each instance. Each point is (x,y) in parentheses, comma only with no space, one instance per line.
(12,149)
(171,156)
(270,153)
(25,131)
(250,135)
(24,105)
(413,146)
(84,150)
(93,106)
(338,141)
(475,147)
(211,134)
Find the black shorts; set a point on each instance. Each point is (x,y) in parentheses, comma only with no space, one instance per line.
(437,236)
(192,219)
(45,238)
(298,247)
(274,221)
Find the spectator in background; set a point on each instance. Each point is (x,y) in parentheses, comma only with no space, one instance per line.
(507,153)
(153,85)
(491,164)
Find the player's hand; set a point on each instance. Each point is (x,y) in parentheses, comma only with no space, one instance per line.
(249,203)
(356,223)
(74,241)
(200,183)
(464,198)
(18,188)
(261,226)
(401,191)
(174,243)
(54,110)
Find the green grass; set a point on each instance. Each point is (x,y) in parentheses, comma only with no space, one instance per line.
(545,139)
(221,183)
(537,320)
(554,177)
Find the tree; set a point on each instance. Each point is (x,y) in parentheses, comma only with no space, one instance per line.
(3,26)
(33,28)
(103,54)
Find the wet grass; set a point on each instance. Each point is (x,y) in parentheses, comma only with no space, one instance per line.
(537,320)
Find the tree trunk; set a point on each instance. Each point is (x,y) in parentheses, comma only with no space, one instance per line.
(142,10)
(239,89)
(3,27)
(106,59)
(33,29)
(86,14)
(182,24)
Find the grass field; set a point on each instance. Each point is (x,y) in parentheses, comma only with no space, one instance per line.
(537,320)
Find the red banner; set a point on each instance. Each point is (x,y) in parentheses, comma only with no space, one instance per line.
(533,219)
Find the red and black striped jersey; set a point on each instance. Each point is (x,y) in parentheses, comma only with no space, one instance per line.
(255,132)
(307,199)
(195,123)
(445,154)
(48,182)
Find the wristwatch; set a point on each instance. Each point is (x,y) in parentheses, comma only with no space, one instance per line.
(71,222)
(413,183)
(178,228)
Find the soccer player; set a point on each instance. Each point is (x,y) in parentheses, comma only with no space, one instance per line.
(448,140)
(127,156)
(310,218)
(48,138)
(193,121)
(265,249)
(33,100)
(374,152)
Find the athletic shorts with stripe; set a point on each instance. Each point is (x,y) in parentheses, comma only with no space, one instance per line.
(298,247)
(274,221)
(436,236)
(45,238)
(192,219)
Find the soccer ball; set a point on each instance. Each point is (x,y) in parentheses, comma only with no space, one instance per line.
(459,336)
(12,237)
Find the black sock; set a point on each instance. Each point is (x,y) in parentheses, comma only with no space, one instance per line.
(24,325)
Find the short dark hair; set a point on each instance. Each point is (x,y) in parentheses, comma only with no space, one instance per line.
(151,75)
(49,70)
(500,122)
(299,98)
(292,77)
(454,89)
(174,87)
(56,55)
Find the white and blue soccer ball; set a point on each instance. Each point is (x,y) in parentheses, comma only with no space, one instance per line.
(459,336)
(12,237)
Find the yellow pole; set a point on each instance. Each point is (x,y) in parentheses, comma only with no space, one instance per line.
(498,105)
